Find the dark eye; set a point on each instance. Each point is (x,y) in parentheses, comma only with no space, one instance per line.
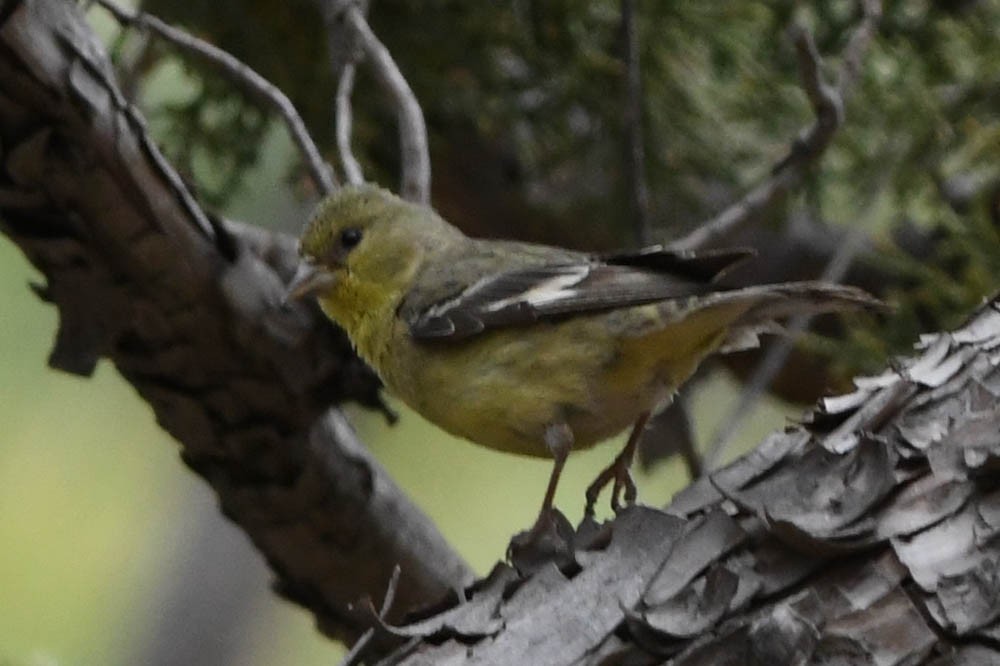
(350,237)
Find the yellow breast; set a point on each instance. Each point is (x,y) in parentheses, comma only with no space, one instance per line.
(503,388)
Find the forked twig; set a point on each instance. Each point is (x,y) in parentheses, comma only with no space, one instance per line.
(828,105)
(239,72)
(413,147)
(358,649)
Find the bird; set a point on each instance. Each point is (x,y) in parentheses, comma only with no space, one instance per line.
(531,349)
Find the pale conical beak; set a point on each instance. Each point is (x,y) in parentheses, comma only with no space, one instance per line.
(309,280)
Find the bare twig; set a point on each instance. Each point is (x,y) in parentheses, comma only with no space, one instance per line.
(635,154)
(390,592)
(133,65)
(826,101)
(414,152)
(857,46)
(357,650)
(638,189)
(250,81)
(352,170)
(775,358)
(828,104)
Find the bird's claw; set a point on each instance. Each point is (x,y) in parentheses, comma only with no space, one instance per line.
(618,473)
(624,482)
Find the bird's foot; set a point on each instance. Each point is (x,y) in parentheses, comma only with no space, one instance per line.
(550,539)
(618,473)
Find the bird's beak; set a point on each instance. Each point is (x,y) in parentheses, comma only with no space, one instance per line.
(309,280)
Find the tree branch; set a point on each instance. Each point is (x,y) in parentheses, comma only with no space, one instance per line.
(413,148)
(635,152)
(352,170)
(359,649)
(189,310)
(777,355)
(245,77)
(828,105)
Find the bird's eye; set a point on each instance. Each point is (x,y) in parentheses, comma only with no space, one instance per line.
(350,237)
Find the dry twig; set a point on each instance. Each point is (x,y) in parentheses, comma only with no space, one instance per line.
(775,358)
(250,81)
(413,148)
(828,105)
(357,650)
(638,188)
(352,170)
(635,153)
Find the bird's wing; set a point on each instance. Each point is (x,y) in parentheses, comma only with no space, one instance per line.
(705,266)
(565,285)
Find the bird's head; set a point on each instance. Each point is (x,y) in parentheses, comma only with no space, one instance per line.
(365,244)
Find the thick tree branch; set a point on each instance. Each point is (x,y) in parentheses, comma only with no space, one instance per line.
(828,105)
(189,310)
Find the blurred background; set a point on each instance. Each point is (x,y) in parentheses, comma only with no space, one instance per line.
(112,552)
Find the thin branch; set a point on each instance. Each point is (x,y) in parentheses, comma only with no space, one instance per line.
(828,105)
(357,650)
(352,170)
(134,65)
(413,148)
(237,71)
(775,358)
(638,189)
(858,45)
(635,153)
(826,101)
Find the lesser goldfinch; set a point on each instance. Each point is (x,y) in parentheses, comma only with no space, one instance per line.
(527,348)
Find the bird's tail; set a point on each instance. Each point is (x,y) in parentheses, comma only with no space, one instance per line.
(780,301)
(771,303)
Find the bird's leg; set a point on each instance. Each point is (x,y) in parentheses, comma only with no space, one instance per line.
(559,440)
(551,537)
(618,471)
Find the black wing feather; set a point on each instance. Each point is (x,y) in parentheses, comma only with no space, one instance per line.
(706,266)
